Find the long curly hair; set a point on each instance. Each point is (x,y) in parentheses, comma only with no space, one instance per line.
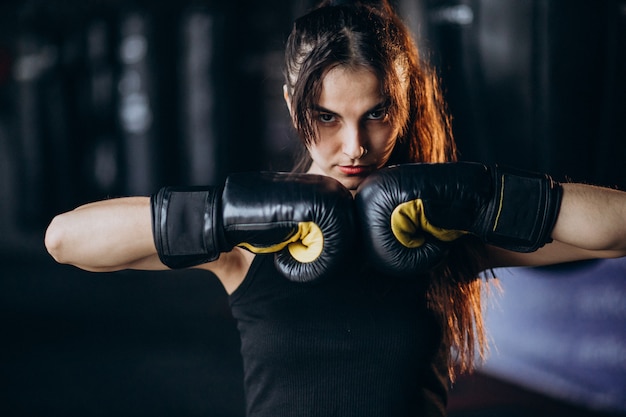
(366,34)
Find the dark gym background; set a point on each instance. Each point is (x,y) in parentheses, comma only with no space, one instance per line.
(106,98)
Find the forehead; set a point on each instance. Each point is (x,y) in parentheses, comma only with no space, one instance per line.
(344,87)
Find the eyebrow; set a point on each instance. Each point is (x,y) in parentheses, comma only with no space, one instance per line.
(321,109)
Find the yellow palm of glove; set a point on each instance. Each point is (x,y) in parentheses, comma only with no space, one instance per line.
(305,245)
(409,223)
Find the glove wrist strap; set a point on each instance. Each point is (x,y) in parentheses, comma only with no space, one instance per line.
(186,225)
(525,210)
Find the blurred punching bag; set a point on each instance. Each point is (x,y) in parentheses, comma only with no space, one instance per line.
(199,75)
(136,104)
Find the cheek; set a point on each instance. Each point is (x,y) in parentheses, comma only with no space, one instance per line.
(384,143)
(319,153)
(324,147)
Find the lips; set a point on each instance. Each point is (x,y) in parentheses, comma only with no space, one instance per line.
(354,169)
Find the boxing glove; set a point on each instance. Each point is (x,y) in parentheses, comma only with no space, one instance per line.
(412,203)
(306,220)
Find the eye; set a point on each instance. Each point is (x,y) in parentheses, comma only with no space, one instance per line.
(326,117)
(378,114)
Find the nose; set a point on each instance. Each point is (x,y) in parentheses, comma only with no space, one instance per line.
(353,143)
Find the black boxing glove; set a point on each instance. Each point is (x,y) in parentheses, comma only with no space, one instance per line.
(306,220)
(508,208)
(394,241)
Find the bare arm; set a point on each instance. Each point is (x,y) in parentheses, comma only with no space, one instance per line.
(116,234)
(107,235)
(591,224)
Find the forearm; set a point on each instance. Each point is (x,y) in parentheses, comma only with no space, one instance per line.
(592,218)
(104,236)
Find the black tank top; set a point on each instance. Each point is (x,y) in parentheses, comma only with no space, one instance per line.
(358,345)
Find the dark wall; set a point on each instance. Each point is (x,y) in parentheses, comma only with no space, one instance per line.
(536,84)
(107,98)
(110,98)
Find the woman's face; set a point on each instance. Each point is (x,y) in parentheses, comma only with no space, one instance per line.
(355,135)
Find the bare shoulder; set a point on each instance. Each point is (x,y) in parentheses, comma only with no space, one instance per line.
(231,268)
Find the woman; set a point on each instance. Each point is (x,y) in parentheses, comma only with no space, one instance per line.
(361,343)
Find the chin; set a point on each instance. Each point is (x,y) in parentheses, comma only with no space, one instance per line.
(351,183)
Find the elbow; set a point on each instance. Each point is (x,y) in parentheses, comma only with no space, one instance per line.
(54,239)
